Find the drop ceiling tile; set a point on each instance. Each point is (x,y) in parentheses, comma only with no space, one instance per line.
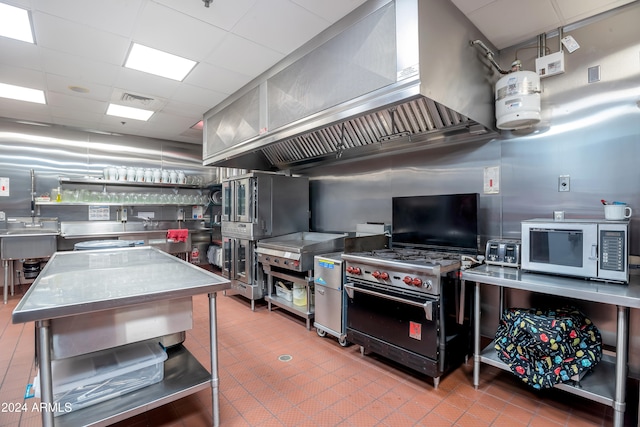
(223,14)
(280,25)
(575,10)
(29,110)
(330,10)
(76,115)
(60,84)
(15,75)
(468,6)
(216,78)
(76,103)
(527,20)
(179,34)
(80,40)
(78,69)
(198,96)
(114,16)
(22,54)
(244,56)
(148,84)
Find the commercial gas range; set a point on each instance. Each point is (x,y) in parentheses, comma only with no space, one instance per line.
(407,303)
(408,306)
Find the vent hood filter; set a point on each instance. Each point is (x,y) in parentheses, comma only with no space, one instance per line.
(518,100)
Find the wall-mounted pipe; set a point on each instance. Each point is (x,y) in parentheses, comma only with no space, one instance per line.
(489,55)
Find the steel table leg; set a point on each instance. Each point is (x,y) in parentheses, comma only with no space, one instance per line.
(5,265)
(213,337)
(622,342)
(46,382)
(476,336)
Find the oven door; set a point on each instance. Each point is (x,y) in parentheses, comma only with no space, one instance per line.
(227,201)
(237,257)
(408,322)
(244,198)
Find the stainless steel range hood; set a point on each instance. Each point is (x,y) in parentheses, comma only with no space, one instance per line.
(392,75)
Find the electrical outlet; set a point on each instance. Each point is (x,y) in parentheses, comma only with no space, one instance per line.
(564,183)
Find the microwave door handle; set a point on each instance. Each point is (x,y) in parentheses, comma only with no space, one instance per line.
(594,253)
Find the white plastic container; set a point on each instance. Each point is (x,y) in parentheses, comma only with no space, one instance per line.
(283,291)
(299,295)
(92,378)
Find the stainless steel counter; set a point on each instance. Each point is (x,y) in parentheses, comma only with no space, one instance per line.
(83,282)
(588,290)
(597,385)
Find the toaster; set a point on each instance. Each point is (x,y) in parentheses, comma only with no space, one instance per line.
(503,252)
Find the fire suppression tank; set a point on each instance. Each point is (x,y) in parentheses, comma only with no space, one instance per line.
(518,100)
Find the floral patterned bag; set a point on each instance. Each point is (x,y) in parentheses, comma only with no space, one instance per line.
(547,347)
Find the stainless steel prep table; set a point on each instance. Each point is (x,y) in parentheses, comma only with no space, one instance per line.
(84,282)
(597,385)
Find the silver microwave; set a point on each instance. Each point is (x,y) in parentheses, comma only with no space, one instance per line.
(592,249)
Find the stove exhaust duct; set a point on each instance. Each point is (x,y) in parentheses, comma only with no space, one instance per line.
(391,75)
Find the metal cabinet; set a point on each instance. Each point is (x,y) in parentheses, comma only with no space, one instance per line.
(330,302)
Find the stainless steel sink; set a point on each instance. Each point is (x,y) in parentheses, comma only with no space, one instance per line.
(27,232)
(25,238)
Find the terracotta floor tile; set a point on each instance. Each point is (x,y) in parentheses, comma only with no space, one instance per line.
(448,411)
(435,420)
(363,418)
(483,412)
(470,420)
(323,385)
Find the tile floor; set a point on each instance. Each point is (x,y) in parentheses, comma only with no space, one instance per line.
(323,384)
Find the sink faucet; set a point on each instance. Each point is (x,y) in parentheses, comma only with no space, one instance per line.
(147,221)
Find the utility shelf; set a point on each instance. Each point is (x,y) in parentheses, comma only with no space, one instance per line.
(183,375)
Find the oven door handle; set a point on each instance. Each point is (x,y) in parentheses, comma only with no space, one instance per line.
(427,305)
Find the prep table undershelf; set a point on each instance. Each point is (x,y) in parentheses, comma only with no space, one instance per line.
(595,385)
(183,375)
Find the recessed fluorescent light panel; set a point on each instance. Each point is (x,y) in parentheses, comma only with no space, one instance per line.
(129,112)
(160,63)
(15,23)
(22,93)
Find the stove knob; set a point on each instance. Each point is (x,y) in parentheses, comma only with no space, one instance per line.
(408,280)
(376,274)
(356,270)
(349,269)
(384,276)
(428,285)
(416,282)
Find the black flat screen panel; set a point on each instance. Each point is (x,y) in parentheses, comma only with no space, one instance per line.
(448,221)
